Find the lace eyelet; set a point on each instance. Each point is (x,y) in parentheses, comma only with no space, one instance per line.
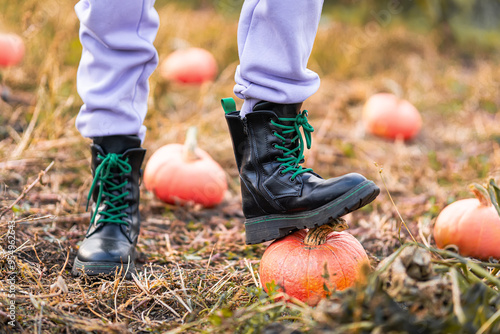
(292,179)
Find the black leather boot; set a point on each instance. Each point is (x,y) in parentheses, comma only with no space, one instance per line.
(278,194)
(114,226)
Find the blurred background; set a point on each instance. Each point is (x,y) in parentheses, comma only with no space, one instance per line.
(442,56)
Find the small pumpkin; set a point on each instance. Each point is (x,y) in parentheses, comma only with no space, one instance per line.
(310,265)
(178,174)
(388,116)
(473,225)
(11,49)
(189,66)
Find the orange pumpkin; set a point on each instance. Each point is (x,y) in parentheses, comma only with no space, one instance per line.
(311,265)
(178,174)
(473,225)
(11,50)
(388,116)
(190,66)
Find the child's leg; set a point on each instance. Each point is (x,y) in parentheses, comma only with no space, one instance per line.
(275,39)
(117,59)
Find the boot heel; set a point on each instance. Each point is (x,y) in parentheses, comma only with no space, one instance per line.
(258,233)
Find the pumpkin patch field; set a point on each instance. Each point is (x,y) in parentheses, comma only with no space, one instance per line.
(409,98)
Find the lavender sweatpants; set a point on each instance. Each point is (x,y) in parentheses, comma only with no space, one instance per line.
(275,39)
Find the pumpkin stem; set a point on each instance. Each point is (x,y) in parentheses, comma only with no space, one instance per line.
(190,145)
(394,87)
(318,235)
(481,194)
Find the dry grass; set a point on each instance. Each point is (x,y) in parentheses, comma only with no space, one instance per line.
(197,274)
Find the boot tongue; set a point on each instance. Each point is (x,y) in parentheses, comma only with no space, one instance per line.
(113,169)
(281,110)
(117,144)
(289,111)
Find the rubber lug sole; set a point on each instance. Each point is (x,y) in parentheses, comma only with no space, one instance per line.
(102,268)
(266,228)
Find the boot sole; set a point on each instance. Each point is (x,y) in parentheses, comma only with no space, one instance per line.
(101,268)
(266,228)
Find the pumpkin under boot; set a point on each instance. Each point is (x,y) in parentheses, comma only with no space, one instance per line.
(110,241)
(278,194)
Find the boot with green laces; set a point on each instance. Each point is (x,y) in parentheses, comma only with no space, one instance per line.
(110,241)
(279,195)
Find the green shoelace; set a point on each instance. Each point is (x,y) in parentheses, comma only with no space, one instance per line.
(292,157)
(114,203)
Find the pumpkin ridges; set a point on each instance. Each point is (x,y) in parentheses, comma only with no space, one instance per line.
(280,264)
(281,275)
(154,164)
(329,247)
(314,290)
(339,240)
(480,235)
(446,225)
(471,226)
(491,240)
(482,215)
(308,289)
(299,235)
(302,268)
(277,245)
(317,288)
(349,254)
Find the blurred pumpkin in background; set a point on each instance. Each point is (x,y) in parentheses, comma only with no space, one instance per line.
(189,66)
(11,49)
